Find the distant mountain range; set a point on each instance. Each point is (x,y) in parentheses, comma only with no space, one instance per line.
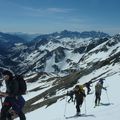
(7,41)
(71,34)
(55,52)
(25,36)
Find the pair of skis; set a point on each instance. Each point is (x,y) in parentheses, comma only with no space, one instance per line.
(103,104)
(81,115)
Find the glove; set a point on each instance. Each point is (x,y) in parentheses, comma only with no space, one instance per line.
(105,88)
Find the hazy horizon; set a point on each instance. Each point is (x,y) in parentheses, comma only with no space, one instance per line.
(48,16)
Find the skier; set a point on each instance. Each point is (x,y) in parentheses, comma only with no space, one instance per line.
(12,97)
(98,90)
(101,81)
(79,97)
(87,85)
(70,93)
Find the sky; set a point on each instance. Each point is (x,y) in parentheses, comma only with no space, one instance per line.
(47,16)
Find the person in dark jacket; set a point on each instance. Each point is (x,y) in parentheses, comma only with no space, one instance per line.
(79,97)
(70,93)
(12,98)
(88,85)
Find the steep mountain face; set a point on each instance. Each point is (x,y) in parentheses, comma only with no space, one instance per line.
(63,55)
(104,54)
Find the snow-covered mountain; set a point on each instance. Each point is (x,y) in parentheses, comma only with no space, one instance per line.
(53,65)
(56,52)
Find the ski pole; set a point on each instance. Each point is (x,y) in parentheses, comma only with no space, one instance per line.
(65,106)
(1,98)
(1,101)
(85,106)
(107,97)
(93,101)
(107,93)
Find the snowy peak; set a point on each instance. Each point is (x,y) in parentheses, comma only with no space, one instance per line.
(86,34)
(72,35)
(104,54)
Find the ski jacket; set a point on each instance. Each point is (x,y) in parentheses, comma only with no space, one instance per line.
(98,88)
(12,87)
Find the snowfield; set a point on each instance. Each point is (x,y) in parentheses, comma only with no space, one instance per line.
(107,111)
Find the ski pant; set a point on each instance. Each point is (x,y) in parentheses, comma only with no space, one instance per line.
(78,105)
(15,104)
(97,98)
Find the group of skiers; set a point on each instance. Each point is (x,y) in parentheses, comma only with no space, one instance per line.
(13,99)
(79,93)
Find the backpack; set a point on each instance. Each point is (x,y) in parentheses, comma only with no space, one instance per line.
(81,88)
(21,84)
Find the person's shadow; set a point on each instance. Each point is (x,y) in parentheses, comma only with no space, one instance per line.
(106,104)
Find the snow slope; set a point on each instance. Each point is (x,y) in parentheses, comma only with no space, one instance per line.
(104,112)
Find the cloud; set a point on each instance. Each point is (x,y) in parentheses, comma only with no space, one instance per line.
(59,10)
(45,11)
